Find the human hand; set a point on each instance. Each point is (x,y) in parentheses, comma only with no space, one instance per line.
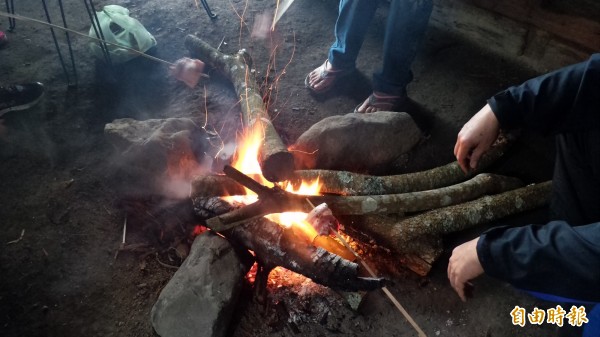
(464,266)
(475,138)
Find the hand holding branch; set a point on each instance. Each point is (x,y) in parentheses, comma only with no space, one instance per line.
(475,138)
(464,266)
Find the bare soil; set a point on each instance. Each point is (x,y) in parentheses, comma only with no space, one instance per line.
(59,191)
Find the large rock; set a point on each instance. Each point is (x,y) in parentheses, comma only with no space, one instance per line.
(356,142)
(200,298)
(159,156)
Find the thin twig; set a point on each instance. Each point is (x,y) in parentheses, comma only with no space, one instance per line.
(122,245)
(165,264)
(124,231)
(17,240)
(372,273)
(221,43)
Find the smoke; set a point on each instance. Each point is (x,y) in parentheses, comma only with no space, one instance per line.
(262,25)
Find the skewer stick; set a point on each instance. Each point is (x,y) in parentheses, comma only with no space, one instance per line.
(124,231)
(135,51)
(25,18)
(372,273)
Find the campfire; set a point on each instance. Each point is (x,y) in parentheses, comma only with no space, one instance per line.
(264,211)
(276,226)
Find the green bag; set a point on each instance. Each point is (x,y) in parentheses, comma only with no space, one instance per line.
(118,27)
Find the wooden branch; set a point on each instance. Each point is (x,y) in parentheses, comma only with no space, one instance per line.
(276,246)
(476,187)
(213,185)
(403,236)
(347,183)
(481,184)
(276,162)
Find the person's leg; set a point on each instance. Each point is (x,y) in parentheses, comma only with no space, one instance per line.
(353,21)
(406,26)
(576,181)
(404,33)
(351,27)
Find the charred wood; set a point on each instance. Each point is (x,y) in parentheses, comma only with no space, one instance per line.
(275,246)
(214,185)
(276,162)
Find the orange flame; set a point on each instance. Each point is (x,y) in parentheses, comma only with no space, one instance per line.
(246,161)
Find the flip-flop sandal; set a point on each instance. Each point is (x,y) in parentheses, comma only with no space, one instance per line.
(327,77)
(383,103)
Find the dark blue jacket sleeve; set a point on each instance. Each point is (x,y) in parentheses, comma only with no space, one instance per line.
(565,100)
(554,258)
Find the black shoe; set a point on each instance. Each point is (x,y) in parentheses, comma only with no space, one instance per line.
(20,96)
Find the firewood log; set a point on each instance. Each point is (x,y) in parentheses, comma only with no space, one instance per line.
(478,186)
(348,183)
(372,204)
(403,235)
(276,162)
(275,246)
(215,185)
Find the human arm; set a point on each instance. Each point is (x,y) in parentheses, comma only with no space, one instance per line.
(555,258)
(563,100)
(464,266)
(475,138)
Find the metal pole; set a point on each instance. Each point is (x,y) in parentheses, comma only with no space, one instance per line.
(62,61)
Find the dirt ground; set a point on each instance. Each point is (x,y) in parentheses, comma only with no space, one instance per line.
(60,193)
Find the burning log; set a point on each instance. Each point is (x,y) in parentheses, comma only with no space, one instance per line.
(403,235)
(276,162)
(282,201)
(214,185)
(276,246)
(347,183)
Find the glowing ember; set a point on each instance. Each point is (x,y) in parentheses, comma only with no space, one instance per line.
(278,277)
(199,229)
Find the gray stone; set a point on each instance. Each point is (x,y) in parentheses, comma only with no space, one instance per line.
(356,142)
(200,298)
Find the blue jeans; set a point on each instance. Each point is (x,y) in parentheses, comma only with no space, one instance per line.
(406,25)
